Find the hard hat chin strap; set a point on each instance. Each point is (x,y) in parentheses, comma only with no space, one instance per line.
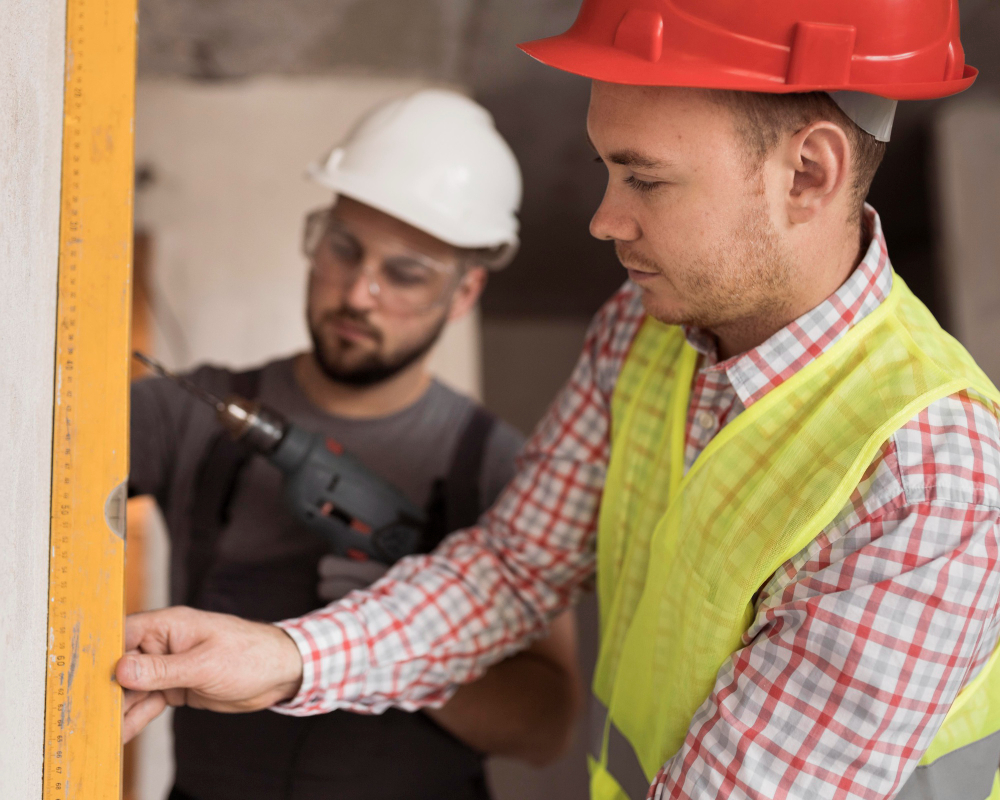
(869,112)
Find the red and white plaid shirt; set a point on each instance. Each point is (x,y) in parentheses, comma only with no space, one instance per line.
(860,642)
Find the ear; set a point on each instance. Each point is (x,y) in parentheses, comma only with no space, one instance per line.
(467,294)
(820,155)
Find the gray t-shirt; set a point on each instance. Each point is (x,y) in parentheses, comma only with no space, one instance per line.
(411,449)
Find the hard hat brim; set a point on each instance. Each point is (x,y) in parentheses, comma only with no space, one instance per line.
(612,65)
(389,200)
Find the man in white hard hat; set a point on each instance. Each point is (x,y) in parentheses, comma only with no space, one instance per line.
(426,194)
(783,473)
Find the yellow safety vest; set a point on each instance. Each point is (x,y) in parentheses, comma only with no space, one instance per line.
(681,556)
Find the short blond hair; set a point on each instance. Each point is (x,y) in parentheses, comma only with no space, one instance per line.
(762,118)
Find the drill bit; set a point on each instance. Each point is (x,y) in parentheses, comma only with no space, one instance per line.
(262,428)
(194,389)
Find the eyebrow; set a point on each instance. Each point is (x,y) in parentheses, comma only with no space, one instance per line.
(632,158)
(342,227)
(413,253)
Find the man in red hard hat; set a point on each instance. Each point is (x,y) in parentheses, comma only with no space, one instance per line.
(784,473)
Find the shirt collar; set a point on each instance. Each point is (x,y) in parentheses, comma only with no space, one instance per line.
(756,372)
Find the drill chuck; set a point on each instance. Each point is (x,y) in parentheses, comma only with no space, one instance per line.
(261,428)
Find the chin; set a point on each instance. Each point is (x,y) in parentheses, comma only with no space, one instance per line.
(346,358)
(665,309)
(340,349)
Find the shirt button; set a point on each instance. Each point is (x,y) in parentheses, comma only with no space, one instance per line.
(706,420)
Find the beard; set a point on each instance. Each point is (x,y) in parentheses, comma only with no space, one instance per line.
(742,278)
(375,367)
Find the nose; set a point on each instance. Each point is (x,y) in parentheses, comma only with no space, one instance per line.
(362,293)
(612,221)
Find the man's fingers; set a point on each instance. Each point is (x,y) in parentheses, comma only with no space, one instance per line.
(175,628)
(141,713)
(139,629)
(178,697)
(150,673)
(132,698)
(208,660)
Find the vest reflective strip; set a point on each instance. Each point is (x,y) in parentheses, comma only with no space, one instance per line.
(964,774)
(622,764)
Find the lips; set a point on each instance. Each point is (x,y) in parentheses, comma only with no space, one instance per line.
(638,276)
(632,261)
(352,331)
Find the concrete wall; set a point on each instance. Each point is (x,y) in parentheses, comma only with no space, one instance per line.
(968,173)
(905,190)
(526,361)
(32,45)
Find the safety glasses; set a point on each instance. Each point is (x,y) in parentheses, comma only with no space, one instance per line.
(410,283)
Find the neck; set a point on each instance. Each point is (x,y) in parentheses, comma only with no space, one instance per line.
(361,402)
(815,275)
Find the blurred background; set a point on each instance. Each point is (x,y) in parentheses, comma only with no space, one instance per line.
(236,97)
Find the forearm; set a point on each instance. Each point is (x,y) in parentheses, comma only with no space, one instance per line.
(433,623)
(523,707)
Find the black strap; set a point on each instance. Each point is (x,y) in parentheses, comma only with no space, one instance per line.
(456,500)
(462,494)
(216,478)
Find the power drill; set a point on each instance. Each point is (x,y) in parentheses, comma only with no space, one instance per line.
(360,515)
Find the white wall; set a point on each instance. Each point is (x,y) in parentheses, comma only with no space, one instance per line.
(32,44)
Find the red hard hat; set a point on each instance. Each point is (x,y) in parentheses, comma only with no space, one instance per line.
(900,49)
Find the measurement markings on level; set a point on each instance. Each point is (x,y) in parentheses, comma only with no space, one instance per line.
(61,651)
(82,758)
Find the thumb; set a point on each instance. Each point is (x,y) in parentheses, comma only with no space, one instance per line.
(151,673)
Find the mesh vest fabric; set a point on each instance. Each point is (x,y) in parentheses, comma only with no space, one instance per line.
(680,557)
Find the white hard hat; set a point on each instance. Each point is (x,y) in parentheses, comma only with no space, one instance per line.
(435,161)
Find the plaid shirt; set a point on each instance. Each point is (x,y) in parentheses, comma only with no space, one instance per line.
(860,642)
